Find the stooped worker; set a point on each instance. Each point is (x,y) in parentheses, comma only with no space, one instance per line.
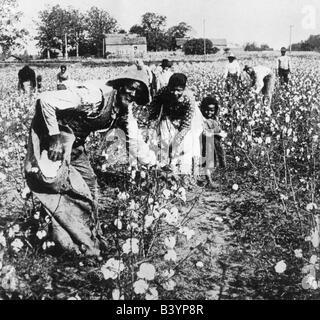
(232,72)
(177,125)
(57,167)
(283,66)
(27,77)
(262,79)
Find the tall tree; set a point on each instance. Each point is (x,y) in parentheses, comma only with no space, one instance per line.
(53,26)
(137,29)
(179,31)
(154,28)
(62,29)
(98,23)
(10,34)
(76,30)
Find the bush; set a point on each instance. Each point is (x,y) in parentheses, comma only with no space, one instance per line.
(196,46)
(254,47)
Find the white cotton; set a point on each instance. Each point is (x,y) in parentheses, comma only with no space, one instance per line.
(48,168)
(138,149)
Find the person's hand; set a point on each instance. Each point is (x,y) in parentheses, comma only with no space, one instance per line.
(165,168)
(55,150)
(222,134)
(252,96)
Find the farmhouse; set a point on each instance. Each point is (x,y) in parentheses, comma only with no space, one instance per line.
(219,43)
(181,41)
(125,44)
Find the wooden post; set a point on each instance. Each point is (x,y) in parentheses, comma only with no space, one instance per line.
(77,44)
(103,47)
(204,38)
(291,26)
(66,46)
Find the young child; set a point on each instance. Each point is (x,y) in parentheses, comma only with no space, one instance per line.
(212,150)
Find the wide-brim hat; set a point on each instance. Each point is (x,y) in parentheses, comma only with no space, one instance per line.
(231,55)
(132,73)
(166,63)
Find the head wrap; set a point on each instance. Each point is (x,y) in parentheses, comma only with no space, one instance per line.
(177,80)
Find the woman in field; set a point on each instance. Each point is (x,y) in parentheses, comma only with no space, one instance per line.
(178,125)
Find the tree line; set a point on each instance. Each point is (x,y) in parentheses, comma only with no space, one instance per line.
(68,31)
(84,32)
(311,44)
(252,46)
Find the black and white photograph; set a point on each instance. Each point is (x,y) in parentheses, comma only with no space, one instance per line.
(159,150)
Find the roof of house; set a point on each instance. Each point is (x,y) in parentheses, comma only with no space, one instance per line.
(124,39)
(181,41)
(13,58)
(219,42)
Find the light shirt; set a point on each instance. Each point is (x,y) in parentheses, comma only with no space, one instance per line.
(284,62)
(261,72)
(163,77)
(232,68)
(149,73)
(62,76)
(85,97)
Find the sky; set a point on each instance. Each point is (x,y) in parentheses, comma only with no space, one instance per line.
(239,21)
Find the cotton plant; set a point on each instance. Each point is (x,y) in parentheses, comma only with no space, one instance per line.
(148,224)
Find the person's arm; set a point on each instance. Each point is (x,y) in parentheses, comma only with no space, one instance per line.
(20,82)
(238,70)
(155,105)
(258,82)
(50,103)
(186,119)
(277,66)
(33,80)
(64,76)
(289,64)
(225,74)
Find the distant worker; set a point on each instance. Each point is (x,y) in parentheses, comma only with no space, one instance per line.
(232,72)
(163,74)
(39,82)
(141,66)
(283,66)
(262,81)
(62,77)
(27,76)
